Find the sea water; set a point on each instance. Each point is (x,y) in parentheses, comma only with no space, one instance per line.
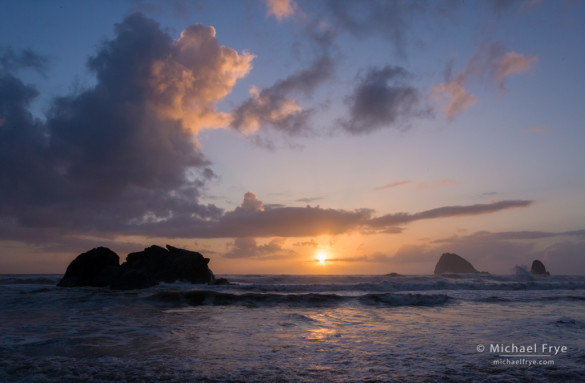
(269,328)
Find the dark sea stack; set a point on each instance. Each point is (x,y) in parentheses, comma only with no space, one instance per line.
(96,267)
(156,264)
(188,266)
(101,267)
(538,268)
(450,263)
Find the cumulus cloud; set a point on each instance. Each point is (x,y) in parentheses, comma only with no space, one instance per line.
(275,106)
(122,153)
(250,203)
(196,73)
(281,9)
(487,61)
(248,248)
(383,99)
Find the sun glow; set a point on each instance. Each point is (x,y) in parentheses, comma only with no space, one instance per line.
(322,257)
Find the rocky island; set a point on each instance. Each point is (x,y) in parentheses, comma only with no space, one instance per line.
(451,263)
(101,267)
(538,268)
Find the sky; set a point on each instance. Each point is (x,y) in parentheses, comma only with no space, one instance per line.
(294,137)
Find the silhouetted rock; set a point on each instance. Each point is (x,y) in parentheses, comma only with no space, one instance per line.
(453,264)
(221,281)
(142,269)
(156,264)
(96,267)
(538,268)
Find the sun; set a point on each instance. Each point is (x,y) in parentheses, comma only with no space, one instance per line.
(322,257)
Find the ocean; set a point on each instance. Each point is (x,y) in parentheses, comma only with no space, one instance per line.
(293,328)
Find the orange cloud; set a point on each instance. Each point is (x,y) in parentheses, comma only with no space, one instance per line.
(457,96)
(511,63)
(196,74)
(393,184)
(281,9)
(419,185)
(487,60)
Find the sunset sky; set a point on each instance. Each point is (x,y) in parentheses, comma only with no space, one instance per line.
(379,134)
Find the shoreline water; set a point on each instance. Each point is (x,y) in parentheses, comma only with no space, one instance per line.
(294,328)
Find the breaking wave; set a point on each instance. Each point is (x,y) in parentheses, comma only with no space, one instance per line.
(215,298)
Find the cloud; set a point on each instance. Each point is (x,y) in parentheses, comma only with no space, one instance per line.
(390,19)
(487,60)
(529,4)
(11,61)
(383,99)
(248,248)
(457,96)
(196,73)
(511,63)
(255,219)
(309,199)
(419,185)
(501,6)
(281,9)
(122,153)
(370,258)
(390,220)
(515,235)
(393,185)
(311,243)
(250,203)
(276,108)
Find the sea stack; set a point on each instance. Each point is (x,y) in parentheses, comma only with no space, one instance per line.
(538,268)
(100,267)
(96,267)
(450,263)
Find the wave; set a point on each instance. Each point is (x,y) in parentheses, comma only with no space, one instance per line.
(298,284)
(29,279)
(389,299)
(570,322)
(215,298)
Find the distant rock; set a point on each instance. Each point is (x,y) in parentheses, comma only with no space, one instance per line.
(450,263)
(155,264)
(96,267)
(538,268)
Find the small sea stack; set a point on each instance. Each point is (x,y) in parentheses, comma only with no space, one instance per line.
(538,268)
(451,263)
(100,267)
(96,267)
